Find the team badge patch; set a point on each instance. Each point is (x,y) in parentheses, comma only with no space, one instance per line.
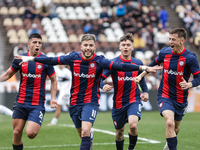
(39,66)
(181,63)
(115,123)
(160,105)
(92,65)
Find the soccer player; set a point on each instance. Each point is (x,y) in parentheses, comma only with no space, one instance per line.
(86,70)
(29,106)
(126,100)
(178,64)
(64,78)
(5,110)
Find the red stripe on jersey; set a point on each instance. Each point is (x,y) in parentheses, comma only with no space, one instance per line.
(12,69)
(59,60)
(120,89)
(133,87)
(196,73)
(37,84)
(111,65)
(180,68)
(88,92)
(23,84)
(165,91)
(104,76)
(77,69)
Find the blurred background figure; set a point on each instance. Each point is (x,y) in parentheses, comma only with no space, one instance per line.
(34,29)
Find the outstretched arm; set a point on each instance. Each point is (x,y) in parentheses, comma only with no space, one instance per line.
(7,75)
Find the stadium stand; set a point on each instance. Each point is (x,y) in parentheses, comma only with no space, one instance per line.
(66,30)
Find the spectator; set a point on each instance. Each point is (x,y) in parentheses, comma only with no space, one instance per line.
(188,20)
(137,12)
(19,49)
(120,10)
(44,11)
(87,27)
(104,15)
(138,43)
(163,15)
(162,38)
(100,24)
(95,30)
(194,29)
(126,22)
(52,11)
(34,29)
(31,12)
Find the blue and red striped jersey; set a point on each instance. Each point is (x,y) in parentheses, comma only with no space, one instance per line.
(33,80)
(175,66)
(86,74)
(126,91)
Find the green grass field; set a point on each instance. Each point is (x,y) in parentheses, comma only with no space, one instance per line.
(63,136)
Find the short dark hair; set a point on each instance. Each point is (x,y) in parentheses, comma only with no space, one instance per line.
(127,36)
(87,37)
(35,35)
(180,31)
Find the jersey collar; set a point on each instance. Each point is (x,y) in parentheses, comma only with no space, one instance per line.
(124,59)
(179,53)
(36,56)
(87,59)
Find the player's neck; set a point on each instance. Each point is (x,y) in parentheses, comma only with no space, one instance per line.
(32,54)
(180,50)
(126,57)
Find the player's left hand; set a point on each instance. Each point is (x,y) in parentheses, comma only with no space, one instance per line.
(185,85)
(107,87)
(54,104)
(145,97)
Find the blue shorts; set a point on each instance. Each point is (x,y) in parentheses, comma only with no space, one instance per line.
(30,113)
(86,112)
(120,116)
(167,104)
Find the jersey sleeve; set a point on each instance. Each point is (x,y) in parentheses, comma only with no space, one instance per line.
(50,71)
(194,67)
(111,65)
(61,60)
(158,60)
(15,65)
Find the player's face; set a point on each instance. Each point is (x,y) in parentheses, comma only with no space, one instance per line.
(176,43)
(88,48)
(126,48)
(34,46)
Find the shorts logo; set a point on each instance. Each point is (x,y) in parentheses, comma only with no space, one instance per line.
(115,123)
(39,66)
(181,63)
(92,65)
(160,105)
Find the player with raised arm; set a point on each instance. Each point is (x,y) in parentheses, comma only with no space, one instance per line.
(127,98)
(29,106)
(178,64)
(86,70)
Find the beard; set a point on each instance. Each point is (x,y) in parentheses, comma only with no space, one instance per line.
(90,54)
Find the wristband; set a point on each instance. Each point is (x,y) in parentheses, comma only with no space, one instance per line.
(144,68)
(27,58)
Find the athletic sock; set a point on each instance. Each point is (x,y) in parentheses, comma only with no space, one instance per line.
(6,110)
(54,121)
(119,144)
(172,143)
(85,143)
(132,141)
(18,147)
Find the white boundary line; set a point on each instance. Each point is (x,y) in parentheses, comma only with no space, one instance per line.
(97,130)
(113,133)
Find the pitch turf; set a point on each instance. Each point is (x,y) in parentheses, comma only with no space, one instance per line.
(64,136)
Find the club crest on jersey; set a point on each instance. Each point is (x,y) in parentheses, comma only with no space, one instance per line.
(39,66)
(92,65)
(160,105)
(181,63)
(115,123)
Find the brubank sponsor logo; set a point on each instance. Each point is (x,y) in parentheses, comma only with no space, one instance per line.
(84,75)
(126,78)
(31,75)
(173,72)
